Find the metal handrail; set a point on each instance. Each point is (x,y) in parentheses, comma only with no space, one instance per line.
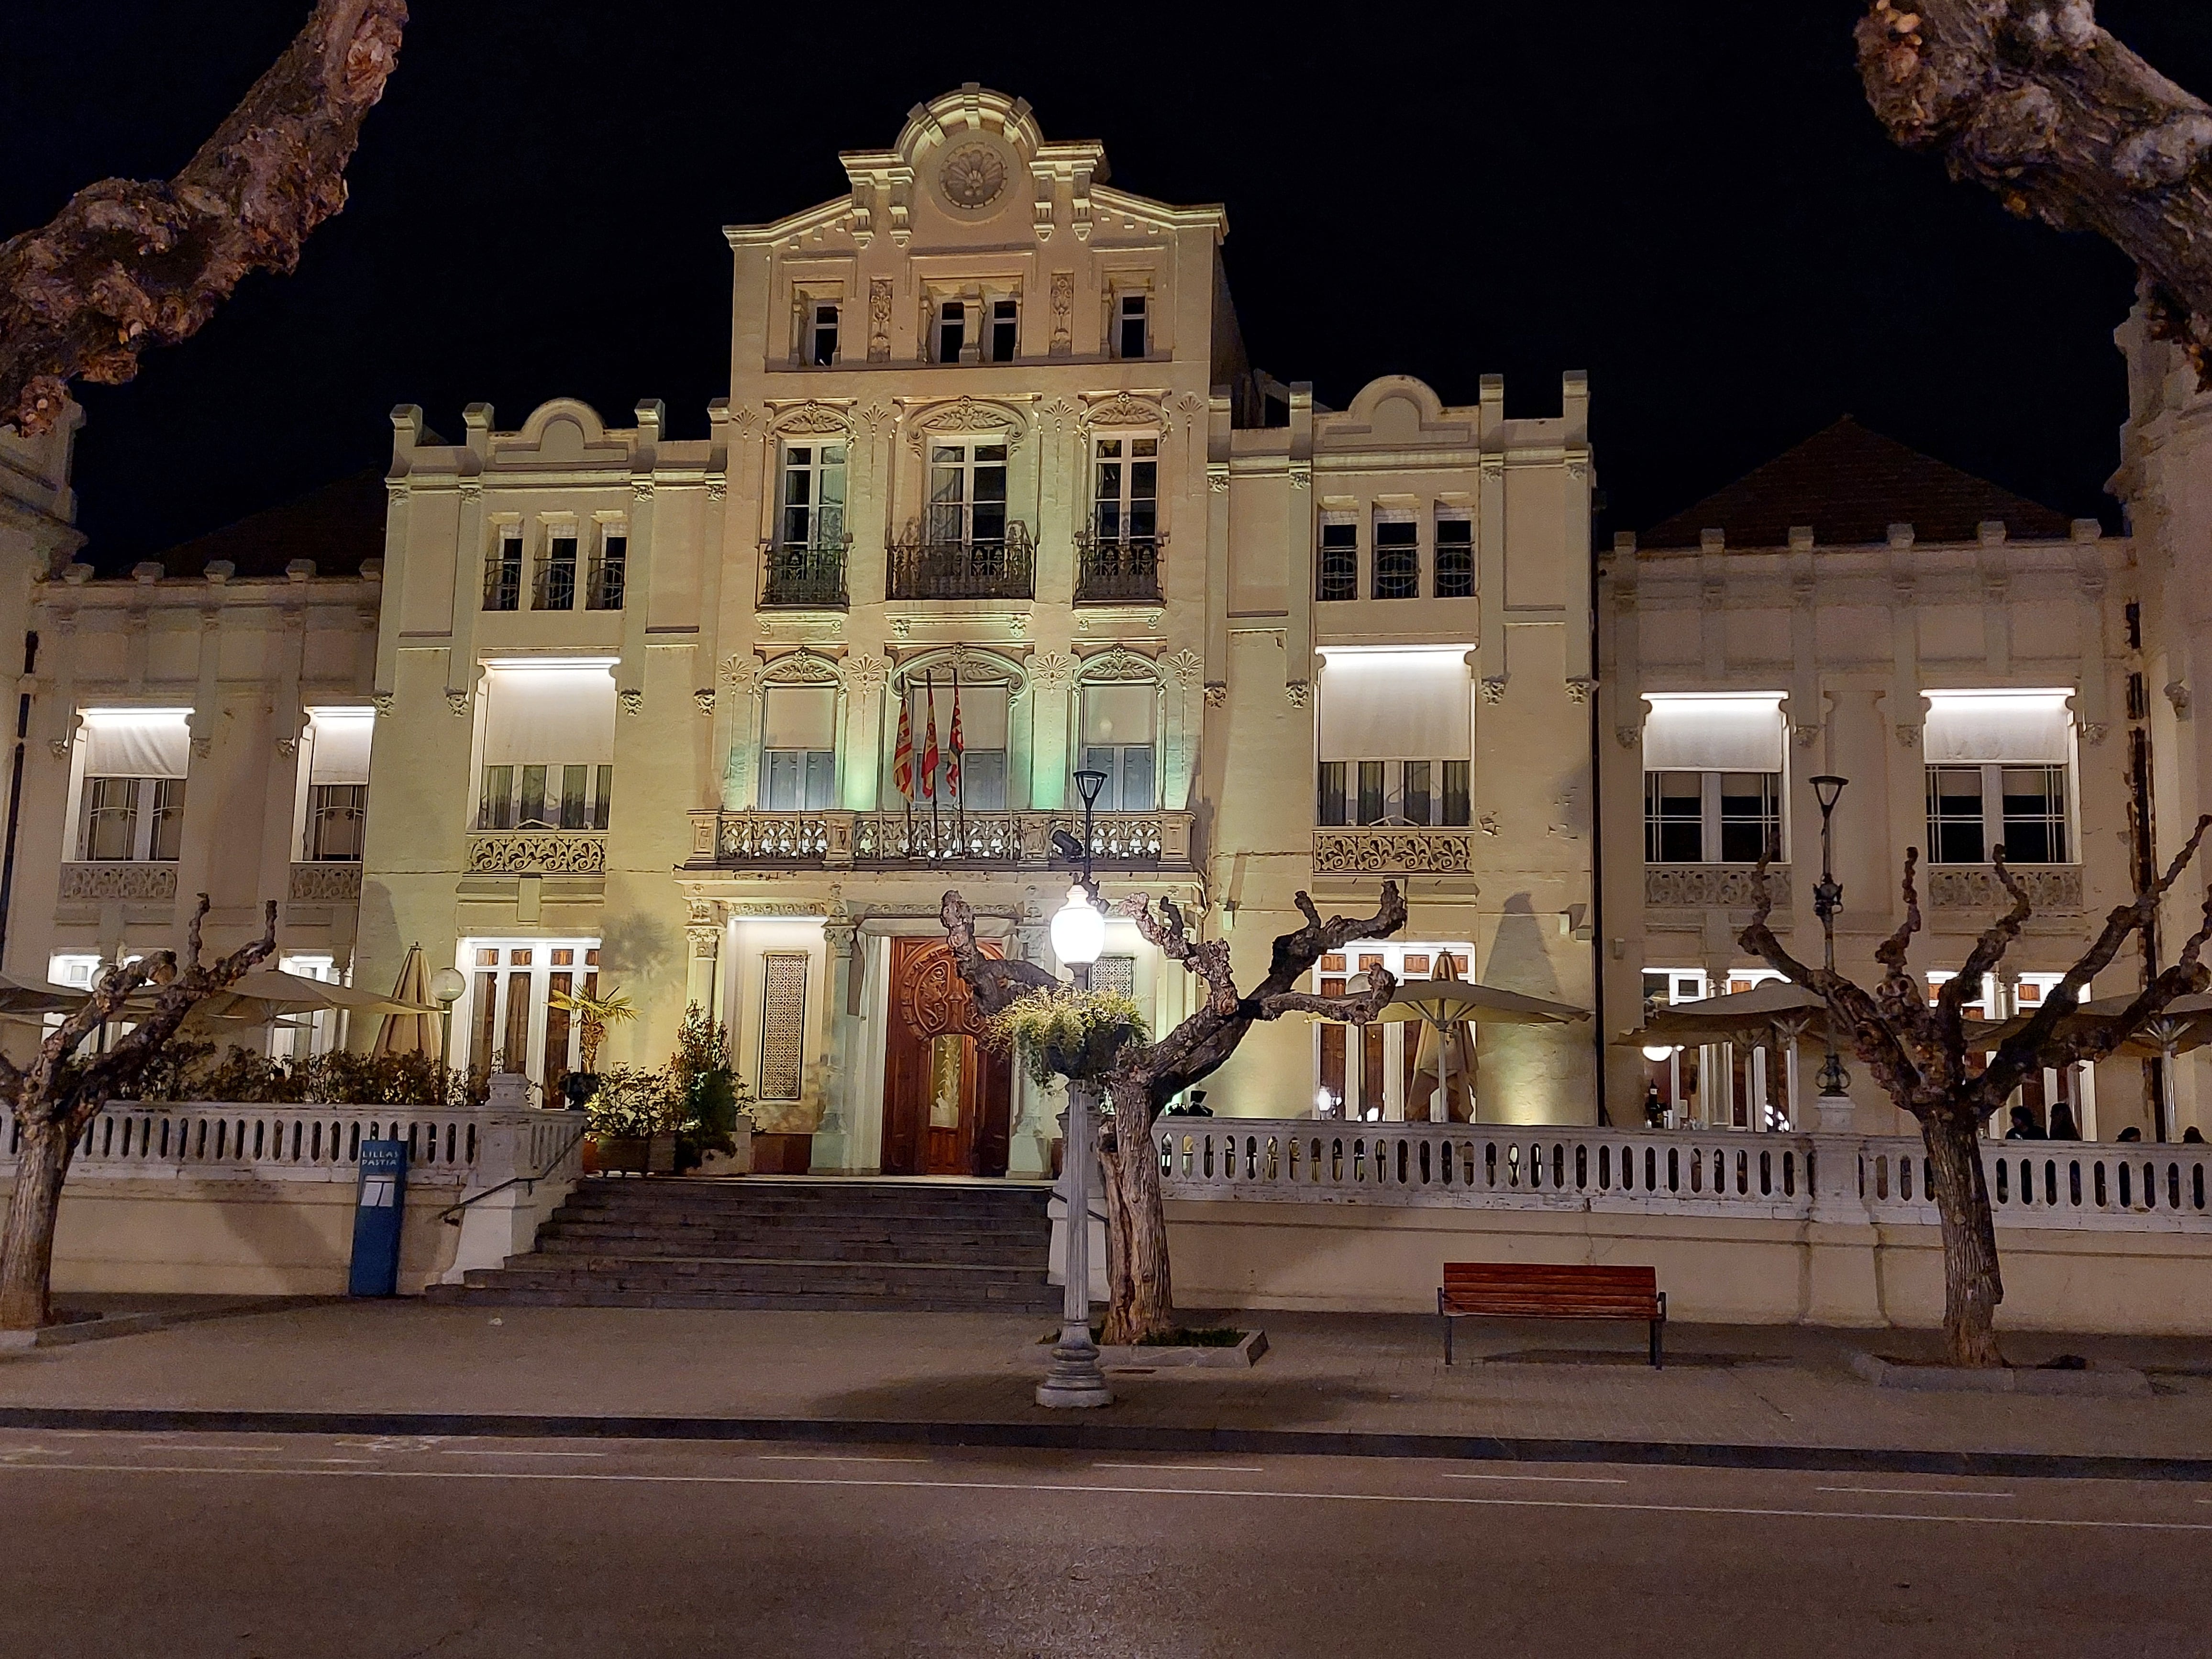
(1117,569)
(941,562)
(452,1215)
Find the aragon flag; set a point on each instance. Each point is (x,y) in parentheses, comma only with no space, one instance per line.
(929,743)
(903,756)
(952,743)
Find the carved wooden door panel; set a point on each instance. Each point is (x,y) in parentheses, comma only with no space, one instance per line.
(946,1099)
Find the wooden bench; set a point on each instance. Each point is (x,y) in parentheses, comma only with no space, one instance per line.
(1502,1289)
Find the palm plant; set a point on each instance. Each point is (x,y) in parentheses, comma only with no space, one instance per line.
(594,1015)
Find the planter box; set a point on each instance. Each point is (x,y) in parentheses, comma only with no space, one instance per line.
(1242,1356)
(637,1155)
(782,1154)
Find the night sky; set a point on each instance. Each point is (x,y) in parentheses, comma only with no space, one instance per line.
(1692,202)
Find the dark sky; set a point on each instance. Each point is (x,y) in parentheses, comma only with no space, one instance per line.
(1692,202)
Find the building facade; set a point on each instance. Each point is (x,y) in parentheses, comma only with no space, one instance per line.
(582,705)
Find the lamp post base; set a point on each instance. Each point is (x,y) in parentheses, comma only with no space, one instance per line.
(1074,1381)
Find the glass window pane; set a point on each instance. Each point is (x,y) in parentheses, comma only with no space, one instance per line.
(602,796)
(1456,811)
(573,779)
(1370,790)
(821,778)
(533,795)
(1137,778)
(1417,791)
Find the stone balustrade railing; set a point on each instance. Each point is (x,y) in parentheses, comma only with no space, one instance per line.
(2054,890)
(1711,886)
(458,1147)
(537,852)
(1377,850)
(893,840)
(324,883)
(150,882)
(1685,1172)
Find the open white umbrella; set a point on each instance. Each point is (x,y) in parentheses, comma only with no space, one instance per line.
(1444,1005)
(24,999)
(1776,1011)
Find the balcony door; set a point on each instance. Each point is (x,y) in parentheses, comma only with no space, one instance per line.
(948,1102)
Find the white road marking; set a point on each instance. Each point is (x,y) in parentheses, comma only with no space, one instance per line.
(1917,1492)
(1429,1499)
(810,1457)
(502,1451)
(1553,1480)
(1198,1468)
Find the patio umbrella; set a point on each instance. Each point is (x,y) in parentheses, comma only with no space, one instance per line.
(22,1000)
(1445,1049)
(265,996)
(411,1026)
(1443,1005)
(1777,1009)
(2182,1024)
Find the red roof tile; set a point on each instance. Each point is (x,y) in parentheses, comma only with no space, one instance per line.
(337,525)
(1851,485)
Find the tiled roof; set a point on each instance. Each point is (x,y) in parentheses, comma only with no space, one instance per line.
(1851,485)
(337,526)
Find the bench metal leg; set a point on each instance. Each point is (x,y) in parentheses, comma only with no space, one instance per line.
(1658,1331)
(1449,1323)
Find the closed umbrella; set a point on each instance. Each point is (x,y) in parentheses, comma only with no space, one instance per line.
(1445,1050)
(412,1028)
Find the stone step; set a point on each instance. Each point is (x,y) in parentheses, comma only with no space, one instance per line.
(1026,1254)
(626,1195)
(937,1283)
(950,1235)
(598,1295)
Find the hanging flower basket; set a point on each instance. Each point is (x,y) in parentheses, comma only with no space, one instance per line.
(1068,1033)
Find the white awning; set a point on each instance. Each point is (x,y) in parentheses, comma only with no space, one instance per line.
(550,716)
(2029,729)
(1691,733)
(1118,714)
(340,746)
(800,717)
(137,743)
(1413,704)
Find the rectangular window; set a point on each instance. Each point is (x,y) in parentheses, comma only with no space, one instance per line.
(337,819)
(1370,790)
(503,572)
(1128,769)
(822,343)
(1750,815)
(549,749)
(1998,763)
(1338,576)
(783,1024)
(1328,809)
(1129,334)
(968,494)
(1712,778)
(1125,487)
(1397,560)
(610,572)
(1118,740)
(557,575)
(1005,329)
(798,744)
(813,513)
(111,811)
(981,781)
(1455,793)
(1419,800)
(132,807)
(1454,558)
(952,330)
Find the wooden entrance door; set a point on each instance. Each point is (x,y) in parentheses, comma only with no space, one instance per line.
(948,1101)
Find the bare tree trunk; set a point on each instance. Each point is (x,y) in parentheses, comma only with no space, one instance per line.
(1971,1285)
(1140,1293)
(27,1247)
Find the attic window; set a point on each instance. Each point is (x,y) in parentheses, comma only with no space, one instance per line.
(1129,339)
(822,341)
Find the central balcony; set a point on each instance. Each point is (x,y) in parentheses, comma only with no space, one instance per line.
(1124,570)
(892,841)
(804,576)
(997,567)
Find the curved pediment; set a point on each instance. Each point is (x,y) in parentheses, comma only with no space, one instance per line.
(564,432)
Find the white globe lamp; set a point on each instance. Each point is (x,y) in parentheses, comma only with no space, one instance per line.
(1078,931)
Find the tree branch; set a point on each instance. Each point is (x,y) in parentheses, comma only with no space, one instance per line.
(126,265)
(993,982)
(2033,99)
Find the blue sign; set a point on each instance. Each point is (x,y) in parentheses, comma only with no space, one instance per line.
(378,1208)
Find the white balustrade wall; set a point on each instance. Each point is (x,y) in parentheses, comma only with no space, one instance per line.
(461,1147)
(1701,1173)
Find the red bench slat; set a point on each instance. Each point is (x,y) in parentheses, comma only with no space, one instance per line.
(1540,1290)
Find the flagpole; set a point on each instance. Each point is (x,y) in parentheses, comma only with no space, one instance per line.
(959,769)
(929,769)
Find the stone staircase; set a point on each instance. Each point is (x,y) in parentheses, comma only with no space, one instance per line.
(758,1243)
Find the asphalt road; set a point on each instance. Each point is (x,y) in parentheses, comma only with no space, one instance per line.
(295,1546)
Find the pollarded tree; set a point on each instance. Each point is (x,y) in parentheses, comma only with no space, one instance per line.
(128,264)
(57,1097)
(2034,100)
(1145,1077)
(1918,1052)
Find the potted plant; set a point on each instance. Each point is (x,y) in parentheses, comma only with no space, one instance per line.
(594,1015)
(712,1101)
(1064,1032)
(634,1121)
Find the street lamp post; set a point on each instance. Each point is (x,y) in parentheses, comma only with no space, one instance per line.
(1834,1104)
(1079,934)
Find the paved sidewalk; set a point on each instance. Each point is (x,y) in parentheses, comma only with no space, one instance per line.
(1745,1388)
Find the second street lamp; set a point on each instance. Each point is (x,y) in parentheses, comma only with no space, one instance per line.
(1834,1104)
(1079,934)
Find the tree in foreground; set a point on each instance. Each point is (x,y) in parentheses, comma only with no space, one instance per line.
(128,264)
(55,1098)
(2034,100)
(1918,1052)
(1143,1078)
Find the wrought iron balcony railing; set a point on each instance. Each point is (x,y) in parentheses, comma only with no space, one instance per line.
(1117,569)
(804,574)
(924,566)
(1152,840)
